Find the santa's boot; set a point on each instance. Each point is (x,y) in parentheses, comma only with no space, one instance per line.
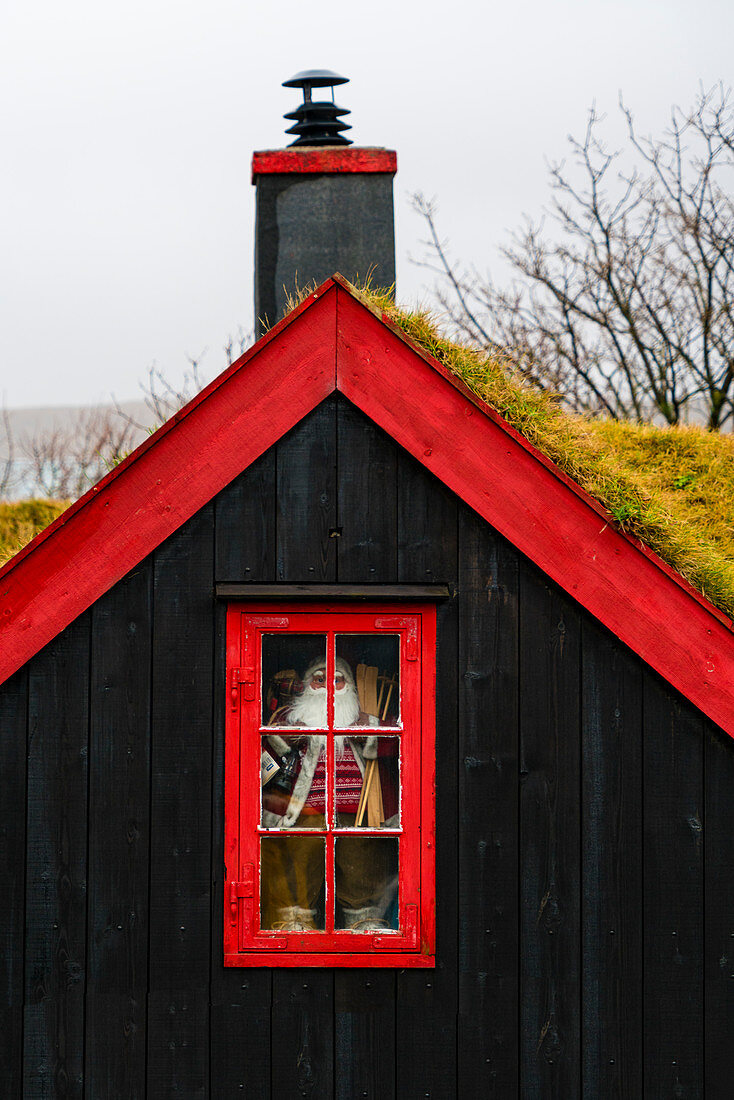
(367,919)
(293,918)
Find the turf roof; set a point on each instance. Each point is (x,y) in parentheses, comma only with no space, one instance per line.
(22,520)
(671,487)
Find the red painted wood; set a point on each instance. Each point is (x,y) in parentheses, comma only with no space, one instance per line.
(325,159)
(347,959)
(538,455)
(243,940)
(438,420)
(165,481)
(528,501)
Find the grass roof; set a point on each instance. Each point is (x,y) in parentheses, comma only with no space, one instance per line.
(671,487)
(21,521)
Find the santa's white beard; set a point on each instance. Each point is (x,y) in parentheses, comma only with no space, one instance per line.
(309,709)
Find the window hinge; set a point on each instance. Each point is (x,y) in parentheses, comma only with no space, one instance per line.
(246,677)
(243,889)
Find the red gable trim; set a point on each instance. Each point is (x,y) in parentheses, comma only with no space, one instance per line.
(167,479)
(536,507)
(328,158)
(428,412)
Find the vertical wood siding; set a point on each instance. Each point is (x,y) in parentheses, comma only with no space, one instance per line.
(489,903)
(13,749)
(119,839)
(367,550)
(585,839)
(56,866)
(428,552)
(611,866)
(181,807)
(550,841)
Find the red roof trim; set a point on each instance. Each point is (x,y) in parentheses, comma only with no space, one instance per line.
(166,427)
(572,485)
(167,479)
(528,501)
(427,411)
(327,158)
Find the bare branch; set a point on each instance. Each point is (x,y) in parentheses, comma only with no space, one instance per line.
(65,461)
(627,308)
(8,474)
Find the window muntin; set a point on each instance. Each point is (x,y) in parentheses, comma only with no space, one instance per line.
(344,861)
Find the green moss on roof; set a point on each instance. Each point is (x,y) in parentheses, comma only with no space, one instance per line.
(673,488)
(21,521)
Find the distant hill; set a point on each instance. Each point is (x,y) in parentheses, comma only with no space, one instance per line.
(26,423)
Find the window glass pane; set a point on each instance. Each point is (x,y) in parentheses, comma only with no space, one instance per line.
(293,693)
(367,782)
(293,781)
(367,680)
(366,871)
(292,883)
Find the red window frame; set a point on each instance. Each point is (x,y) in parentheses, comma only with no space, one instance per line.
(413,943)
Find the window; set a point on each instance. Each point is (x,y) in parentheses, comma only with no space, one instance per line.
(329,785)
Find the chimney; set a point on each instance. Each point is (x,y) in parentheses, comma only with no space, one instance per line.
(322,205)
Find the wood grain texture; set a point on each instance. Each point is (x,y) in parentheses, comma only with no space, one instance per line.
(673,893)
(612,883)
(178,1043)
(303,1035)
(367,500)
(245,551)
(488,812)
(56,871)
(306,498)
(427,1003)
(364,1034)
(549,841)
(364,1000)
(13,742)
(341,592)
(719,912)
(241,999)
(119,837)
(181,801)
(245,524)
(240,1047)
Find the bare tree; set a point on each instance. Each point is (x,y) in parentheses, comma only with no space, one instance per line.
(162,398)
(63,462)
(627,309)
(7,456)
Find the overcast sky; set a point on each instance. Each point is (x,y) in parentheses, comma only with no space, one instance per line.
(127,132)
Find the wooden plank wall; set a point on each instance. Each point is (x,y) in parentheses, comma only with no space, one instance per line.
(585,830)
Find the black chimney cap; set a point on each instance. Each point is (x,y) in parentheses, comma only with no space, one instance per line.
(315,78)
(317,123)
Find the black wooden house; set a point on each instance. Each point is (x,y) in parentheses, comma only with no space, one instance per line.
(583,765)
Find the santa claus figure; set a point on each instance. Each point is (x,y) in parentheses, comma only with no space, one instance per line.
(293,868)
